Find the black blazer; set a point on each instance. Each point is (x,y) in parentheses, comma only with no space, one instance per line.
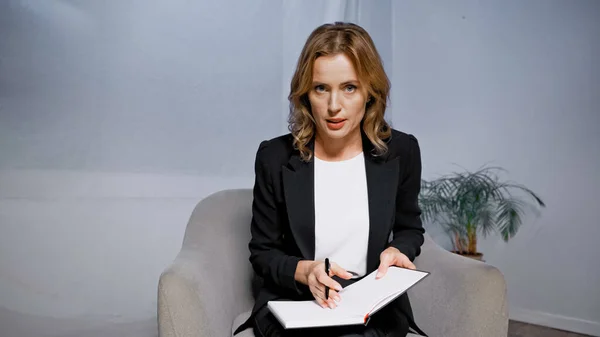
(283,224)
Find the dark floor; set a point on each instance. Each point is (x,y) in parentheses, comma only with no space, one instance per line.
(519,329)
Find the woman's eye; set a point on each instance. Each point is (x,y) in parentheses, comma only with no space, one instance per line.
(350,88)
(319,88)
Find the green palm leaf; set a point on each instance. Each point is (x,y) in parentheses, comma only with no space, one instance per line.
(509,217)
(466,203)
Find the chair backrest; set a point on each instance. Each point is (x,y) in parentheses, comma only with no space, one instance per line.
(219,230)
(222,214)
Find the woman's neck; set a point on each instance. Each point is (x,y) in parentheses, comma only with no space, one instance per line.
(338,149)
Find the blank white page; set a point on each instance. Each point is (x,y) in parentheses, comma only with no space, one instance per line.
(359,299)
(366,294)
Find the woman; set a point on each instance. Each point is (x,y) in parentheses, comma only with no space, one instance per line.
(340,186)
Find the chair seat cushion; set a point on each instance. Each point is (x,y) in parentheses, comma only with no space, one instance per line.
(241,318)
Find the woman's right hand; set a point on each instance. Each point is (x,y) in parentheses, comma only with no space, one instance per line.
(315,277)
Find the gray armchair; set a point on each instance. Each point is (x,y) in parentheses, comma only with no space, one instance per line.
(206,291)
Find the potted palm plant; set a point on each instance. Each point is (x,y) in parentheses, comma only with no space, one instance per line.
(467,204)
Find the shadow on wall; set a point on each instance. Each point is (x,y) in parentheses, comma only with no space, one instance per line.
(24,325)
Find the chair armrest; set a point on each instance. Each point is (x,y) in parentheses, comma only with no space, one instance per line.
(461,297)
(198,298)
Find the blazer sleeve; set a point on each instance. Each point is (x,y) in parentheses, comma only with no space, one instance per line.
(408,228)
(267,254)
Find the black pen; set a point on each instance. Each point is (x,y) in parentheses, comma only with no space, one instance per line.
(327,271)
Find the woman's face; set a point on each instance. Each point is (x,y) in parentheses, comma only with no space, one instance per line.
(337,99)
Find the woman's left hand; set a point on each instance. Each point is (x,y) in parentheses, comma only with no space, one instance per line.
(393,257)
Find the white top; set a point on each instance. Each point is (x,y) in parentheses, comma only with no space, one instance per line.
(342,213)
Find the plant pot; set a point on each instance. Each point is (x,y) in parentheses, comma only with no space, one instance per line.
(476,256)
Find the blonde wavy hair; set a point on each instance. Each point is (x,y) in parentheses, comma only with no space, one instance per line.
(354,42)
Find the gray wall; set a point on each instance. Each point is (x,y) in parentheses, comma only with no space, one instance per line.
(515,84)
(117,117)
(127,86)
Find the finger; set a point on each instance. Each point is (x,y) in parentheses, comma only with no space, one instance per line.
(404,262)
(331,295)
(408,264)
(386,260)
(334,295)
(339,271)
(319,291)
(383,267)
(331,301)
(321,302)
(329,282)
(318,295)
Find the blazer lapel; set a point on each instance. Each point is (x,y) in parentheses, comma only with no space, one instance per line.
(298,185)
(382,180)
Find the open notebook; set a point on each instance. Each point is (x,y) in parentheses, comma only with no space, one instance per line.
(358,302)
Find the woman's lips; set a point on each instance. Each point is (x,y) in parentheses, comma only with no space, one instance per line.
(335,123)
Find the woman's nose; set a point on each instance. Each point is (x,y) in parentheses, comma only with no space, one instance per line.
(334,104)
